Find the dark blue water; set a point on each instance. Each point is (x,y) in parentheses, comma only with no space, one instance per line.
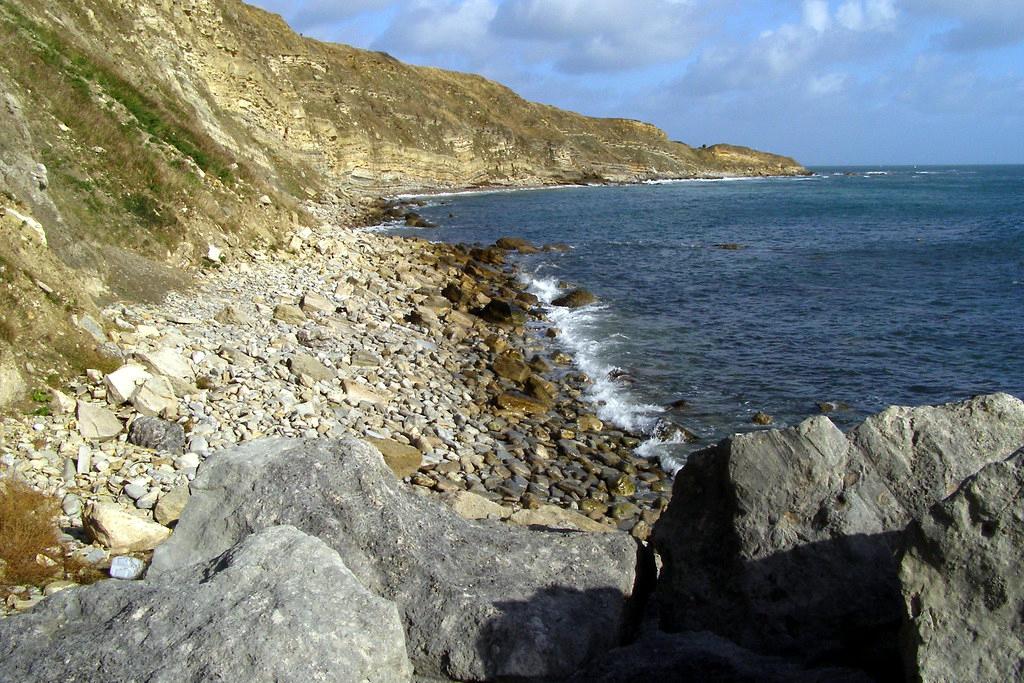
(864,290)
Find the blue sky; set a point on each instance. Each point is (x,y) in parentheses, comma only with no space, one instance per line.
(825,81)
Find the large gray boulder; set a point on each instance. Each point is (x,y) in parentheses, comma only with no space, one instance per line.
(279,606)
(785,540)
(702,657)
(962,581)
(479,600)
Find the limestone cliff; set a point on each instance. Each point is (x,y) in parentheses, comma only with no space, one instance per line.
(134,133)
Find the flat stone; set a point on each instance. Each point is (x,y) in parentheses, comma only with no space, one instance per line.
(96,423)
(233,315)
(169,363)
(470,505)
(402,459)
(316,303)
(521,403)
(305,364)
(289,313)
(156,398)
(554,517)
(357,393)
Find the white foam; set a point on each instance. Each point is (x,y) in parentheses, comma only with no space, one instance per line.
(578,335)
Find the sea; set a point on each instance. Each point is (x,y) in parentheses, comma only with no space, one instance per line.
(843,292)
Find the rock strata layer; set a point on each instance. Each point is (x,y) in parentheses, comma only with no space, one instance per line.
(785,540)
(479,600)
(278,606)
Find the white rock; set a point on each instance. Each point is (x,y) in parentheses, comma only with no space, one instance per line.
(123,382)
(62,404)
(214,254)
(84,462)
(156,398)
(97,423)
(126,568)
(169,363)
(356,392)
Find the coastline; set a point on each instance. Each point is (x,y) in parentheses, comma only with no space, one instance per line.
(422,348)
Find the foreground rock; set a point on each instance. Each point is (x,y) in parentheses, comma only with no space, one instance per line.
(279,606)
(703,657)
(785,540)
(962,584)
(479,600)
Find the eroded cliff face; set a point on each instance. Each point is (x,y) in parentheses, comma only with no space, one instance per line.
(136,133)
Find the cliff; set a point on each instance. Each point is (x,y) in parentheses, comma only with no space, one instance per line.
(135,133)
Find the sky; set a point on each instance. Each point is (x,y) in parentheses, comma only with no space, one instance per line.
(825,81)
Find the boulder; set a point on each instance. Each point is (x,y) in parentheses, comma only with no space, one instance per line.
(962,585)
(704,657)
(479,600)
(516,402)
(121,531)
(511,366)
(278,606)
(97,423)
(576,298)
(160,435)
(501,312)
(469,505)
(512,243)
(401,458)
(784,540)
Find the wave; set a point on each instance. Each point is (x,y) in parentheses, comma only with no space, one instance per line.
(580,335)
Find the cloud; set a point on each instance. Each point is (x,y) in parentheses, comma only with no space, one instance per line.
(308,15)
(432,27)
(603,35)
(979,24)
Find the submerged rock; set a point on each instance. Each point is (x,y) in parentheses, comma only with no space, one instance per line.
(785,540)
(577,298)
(479,600)
(278,606)
(962,584)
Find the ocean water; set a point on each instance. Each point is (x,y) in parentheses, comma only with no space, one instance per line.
(863,287)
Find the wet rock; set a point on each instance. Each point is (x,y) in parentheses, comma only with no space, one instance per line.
(576,298)
(502,313)
(515,402)
(763,419)
(160,435)
(464,589)
(961,581)
(511,366)
(258,612)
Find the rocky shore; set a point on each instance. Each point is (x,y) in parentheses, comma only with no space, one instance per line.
(358,458)
(421,349)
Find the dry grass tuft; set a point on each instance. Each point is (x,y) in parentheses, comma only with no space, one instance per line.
(29,538)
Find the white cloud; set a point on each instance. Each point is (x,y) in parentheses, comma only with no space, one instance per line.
(442,27)
(816,15)
(980,24)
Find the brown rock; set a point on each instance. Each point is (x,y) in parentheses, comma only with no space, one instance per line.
(515,402)
(577,298)
(511,366)
(402,459)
